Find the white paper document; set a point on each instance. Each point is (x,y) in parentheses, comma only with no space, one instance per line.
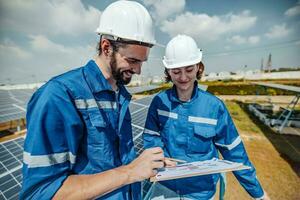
(197,168)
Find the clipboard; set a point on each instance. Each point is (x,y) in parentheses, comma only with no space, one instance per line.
(197,168)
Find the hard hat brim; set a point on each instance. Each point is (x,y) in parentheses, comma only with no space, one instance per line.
(152,43)
(183,64)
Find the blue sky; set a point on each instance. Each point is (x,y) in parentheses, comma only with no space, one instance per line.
(40,39)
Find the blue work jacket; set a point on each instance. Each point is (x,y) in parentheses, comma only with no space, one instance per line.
(76,124)
(196,131)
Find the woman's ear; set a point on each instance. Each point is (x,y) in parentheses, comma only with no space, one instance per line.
(201,67)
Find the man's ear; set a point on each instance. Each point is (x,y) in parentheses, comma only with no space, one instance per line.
(106,47)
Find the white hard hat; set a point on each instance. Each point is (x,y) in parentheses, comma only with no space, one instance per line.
(127,20)
(181,51)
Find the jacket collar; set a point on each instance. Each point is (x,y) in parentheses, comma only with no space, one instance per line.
(174,95)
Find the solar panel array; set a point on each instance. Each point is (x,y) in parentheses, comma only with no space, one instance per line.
(138,89)
(13,104)
(139,109)
(280,86)
(11,153)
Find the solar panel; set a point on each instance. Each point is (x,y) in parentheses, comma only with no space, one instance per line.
(11,152)
(138,89)
(13,104)
(145,101)
(137,138)
(11,155)
(135,107)
(139,109)
(280,86)
(139,118)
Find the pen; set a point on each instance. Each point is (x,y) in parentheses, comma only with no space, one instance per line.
(176,160)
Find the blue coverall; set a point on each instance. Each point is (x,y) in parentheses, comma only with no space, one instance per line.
(196,131)
(76,124)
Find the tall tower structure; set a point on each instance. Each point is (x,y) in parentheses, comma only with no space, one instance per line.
(269,63)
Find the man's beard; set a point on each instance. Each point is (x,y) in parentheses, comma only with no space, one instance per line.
(117,74)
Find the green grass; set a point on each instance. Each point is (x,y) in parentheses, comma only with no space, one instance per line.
(275,157)
(241,119)
(236,88)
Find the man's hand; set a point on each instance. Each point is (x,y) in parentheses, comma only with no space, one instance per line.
(266,196)
(90,186)
(146,164)
(170,163)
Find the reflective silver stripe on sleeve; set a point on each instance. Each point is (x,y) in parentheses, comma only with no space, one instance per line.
(236,142)
(85,103)
(91,103)
(107,104)
(48,160)
(202,120)
(150,132)
(167,114)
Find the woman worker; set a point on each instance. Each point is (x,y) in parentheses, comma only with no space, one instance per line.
(193,125)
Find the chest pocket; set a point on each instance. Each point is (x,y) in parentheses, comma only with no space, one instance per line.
(97,127)
(202,139)
(102,142)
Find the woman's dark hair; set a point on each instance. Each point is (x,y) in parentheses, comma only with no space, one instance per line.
(199,73)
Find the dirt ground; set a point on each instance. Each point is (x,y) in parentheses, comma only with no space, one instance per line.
(277,161)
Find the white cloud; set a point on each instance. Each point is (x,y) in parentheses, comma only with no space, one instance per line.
(69,17)
(278,31)
(46,58)
(9,49)
(254,39)
(37,21)
(42,43)
(43,46)
(208,28)
(237,39)
(162,9)
(294,11)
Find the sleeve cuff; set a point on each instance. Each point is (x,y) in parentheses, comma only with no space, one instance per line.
(260,198)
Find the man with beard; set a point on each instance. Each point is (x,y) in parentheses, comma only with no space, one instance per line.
(79,140)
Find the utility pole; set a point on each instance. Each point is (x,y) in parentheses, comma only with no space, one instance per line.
(245,68)
(262,65)
(269,64)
